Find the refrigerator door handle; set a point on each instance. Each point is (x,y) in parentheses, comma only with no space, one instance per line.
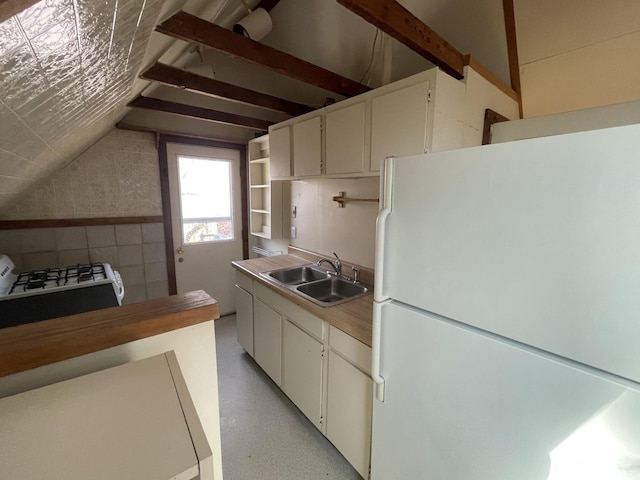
(375,351)
(386,191)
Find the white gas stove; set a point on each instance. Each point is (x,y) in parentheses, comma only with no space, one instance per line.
(56,292)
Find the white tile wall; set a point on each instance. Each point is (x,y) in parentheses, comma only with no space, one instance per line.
(141,262)
(117,177)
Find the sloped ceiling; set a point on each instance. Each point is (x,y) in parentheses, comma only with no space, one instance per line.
(69,67)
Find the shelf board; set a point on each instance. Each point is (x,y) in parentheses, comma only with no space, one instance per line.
(261,186)
(260,211)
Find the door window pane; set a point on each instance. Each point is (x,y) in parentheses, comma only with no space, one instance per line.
(205,199)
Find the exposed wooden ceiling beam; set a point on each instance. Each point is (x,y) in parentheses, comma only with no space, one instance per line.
(512,47)
(398,22)
(200,32)
(9,8)
(199,113)
(267,4)
(176,77)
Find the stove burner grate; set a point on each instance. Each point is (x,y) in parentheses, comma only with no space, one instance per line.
(84,272)
(36,279)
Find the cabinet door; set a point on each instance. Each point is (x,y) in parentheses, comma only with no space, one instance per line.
(244,319)
(280,153)
(302,371)
(267,340)
(345,132)
(307,147)
(399,124)
(349,408)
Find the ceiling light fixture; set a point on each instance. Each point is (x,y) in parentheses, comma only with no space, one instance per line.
(255,26)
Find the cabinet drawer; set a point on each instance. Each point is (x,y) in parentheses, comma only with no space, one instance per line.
(244,281)
(355,351)
(298,315)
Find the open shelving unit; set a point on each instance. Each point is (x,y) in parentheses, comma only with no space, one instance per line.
(265,195)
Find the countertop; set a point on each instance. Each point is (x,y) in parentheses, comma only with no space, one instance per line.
(41,343)
(353,317)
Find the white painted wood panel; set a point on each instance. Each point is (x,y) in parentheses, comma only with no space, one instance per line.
(356,352)
(567,122)
(345,137)
(583,78)
(307,147)
(302,371)
(280,152)
(244,319)
(267,340)
(399,124)
(349,405)
(547,28)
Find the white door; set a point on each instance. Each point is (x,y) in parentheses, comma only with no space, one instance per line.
(204,185)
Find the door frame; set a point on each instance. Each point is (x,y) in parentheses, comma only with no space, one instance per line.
(163,139)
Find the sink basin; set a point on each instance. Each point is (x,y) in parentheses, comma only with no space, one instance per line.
(297,275)
(331,291)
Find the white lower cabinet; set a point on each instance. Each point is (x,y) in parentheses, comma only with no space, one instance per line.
(349,399)
(244,318)
(349,405)
(324,371)
(302,364)
(267,340)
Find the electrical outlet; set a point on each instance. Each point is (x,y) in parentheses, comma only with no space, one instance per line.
(293,232)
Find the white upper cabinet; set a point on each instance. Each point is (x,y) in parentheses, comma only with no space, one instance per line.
(280,152)
(345,139)
(399,123)
(307,147)
(427,112)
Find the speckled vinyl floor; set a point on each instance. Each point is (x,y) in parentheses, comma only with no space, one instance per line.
(264,436)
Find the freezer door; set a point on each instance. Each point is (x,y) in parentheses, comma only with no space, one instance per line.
(537,240)
(460,405)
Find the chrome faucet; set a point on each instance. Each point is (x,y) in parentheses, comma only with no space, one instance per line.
(337,265)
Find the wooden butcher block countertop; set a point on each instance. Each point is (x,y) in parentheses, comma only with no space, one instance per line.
(353,317)
(49,341)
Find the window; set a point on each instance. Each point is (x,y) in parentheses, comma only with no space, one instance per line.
(205,199)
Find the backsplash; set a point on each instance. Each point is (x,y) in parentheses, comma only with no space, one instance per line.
(137,251)
(118,176)
(323,227)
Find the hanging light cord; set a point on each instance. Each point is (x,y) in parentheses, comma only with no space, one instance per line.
(373,50)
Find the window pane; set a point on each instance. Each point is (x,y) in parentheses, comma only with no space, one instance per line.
(205,199)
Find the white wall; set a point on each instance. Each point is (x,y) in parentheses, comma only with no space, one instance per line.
(576,54)
(323,227)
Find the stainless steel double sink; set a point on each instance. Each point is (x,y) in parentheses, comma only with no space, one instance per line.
(317,285)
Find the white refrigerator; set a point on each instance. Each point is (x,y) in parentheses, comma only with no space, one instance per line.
(506,335)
